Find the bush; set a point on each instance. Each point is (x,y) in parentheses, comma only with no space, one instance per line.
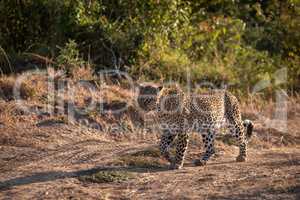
(236,42)
(69,57)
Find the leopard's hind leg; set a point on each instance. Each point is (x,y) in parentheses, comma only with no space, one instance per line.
(236,127)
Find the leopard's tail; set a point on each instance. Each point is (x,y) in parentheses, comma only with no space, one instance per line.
(248,125)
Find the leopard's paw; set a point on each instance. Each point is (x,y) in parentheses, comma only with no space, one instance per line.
(241,158)
(175,166)
(168,158)
(199,162)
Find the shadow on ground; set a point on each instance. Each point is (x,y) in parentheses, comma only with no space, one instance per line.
(55,175)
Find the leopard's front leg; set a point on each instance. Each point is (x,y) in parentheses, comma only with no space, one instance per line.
(181,147)
(165,142)
(238,131)
(208,141)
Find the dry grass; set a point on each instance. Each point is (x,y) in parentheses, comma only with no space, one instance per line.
(81,97)
(82,73)
(7,85)
(116,93)
(129,121)
(45,153)
(4,62)
(265,136)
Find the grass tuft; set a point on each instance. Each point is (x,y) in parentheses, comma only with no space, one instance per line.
(107,177)
(150,152)
(148,158)
(141,162)
(7,89)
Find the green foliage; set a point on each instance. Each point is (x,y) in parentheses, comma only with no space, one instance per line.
(237,43)
(69,57)
(106,177)
(149,152)
(140,162)
(148,158)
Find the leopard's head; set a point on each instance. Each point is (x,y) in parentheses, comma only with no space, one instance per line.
(171,99)
(147,96)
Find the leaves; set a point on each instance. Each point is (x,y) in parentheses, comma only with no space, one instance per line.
(235,41)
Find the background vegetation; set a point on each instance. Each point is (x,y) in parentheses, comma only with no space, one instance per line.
(231,42)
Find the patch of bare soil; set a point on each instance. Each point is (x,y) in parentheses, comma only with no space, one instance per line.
(51,157)
(48,162)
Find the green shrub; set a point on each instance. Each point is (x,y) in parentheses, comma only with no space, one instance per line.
(69,57)
(106,177)
(148,158)
(140,162)
(150,152)
(237,42)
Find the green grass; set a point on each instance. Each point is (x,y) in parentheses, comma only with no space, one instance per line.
(150,152)
(148,158)
(140,162)
(107,177)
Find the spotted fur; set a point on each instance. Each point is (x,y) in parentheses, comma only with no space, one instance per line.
(178,114)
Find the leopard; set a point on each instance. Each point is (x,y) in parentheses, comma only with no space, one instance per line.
(179,113)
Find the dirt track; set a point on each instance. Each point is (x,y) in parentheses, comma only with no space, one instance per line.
(48,165)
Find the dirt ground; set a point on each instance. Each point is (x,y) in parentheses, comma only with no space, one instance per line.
(44,157)
(47,166)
